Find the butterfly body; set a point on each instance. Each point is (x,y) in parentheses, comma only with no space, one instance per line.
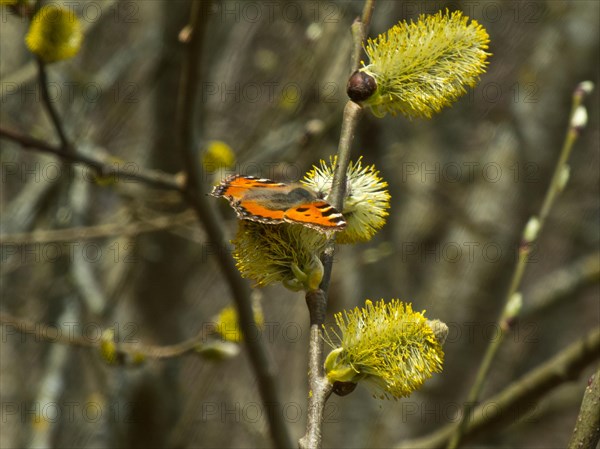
(271,202)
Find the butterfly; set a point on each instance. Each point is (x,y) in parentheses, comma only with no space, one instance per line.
(270,202)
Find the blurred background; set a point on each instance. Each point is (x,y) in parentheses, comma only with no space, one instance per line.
(272,87)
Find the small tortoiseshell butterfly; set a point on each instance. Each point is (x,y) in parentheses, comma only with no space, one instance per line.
(271,202)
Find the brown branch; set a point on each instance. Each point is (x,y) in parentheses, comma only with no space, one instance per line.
(98,231)
(50,108)
(262,364)
(53,334)
(519,397)
(41,331)
(105,166)
(319,386)
(360,28)
(587,426)
(530,233)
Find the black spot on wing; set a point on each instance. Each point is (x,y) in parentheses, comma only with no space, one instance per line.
(327,213)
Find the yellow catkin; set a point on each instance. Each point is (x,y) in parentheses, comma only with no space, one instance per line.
(55,34)
(421,67)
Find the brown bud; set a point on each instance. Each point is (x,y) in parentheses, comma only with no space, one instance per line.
(360,86)
(343,388)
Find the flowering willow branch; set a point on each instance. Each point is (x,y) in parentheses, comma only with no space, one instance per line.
(319,386)
(27,71)
(386,345)
(419,67)
(512,305)
(54,34)
(262,364)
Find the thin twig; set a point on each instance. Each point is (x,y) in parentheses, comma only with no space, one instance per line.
(262,364)
(319,387)
(521,396)
(360,28)
(51,109)
(41,332)
(98,231)
(365,18)
(507,315)
(105,166)
(352,113)
(587,426)
(52,334)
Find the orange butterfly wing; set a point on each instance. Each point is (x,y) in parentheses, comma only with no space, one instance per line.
(270,202)
(318,215)
(255,211)
(236,187)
